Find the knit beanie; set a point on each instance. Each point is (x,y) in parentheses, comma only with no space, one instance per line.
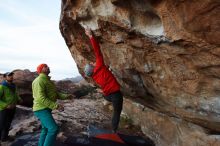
(40,67)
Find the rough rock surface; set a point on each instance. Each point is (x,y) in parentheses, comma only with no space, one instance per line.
(164,53)
(79,89)
(73,121)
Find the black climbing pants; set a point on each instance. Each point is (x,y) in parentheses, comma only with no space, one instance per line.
(117,101)
(6,117)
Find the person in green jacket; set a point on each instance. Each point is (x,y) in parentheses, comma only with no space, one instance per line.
(8,100)
(45,96)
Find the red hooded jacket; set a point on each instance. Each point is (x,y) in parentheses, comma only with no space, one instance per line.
(101,75)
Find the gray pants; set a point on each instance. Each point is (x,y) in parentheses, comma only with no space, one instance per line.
(117,101)
(6,117)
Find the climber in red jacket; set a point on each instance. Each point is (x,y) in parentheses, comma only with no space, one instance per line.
(100,73)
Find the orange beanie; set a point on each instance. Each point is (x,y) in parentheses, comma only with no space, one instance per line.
(40,67)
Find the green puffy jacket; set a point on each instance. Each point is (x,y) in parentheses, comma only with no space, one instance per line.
(45,93)
(7,97)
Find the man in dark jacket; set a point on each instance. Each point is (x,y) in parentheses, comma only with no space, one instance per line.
(8,100)
(100,73)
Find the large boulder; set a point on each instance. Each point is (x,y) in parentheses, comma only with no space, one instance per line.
(165,55)
(78,89)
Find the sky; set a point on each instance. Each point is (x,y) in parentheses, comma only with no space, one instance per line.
(30,35)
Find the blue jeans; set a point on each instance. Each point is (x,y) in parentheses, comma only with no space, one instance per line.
(49,127)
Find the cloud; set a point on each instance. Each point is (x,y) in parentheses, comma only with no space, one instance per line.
(33,38)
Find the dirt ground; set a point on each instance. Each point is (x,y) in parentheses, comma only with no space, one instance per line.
(74,120)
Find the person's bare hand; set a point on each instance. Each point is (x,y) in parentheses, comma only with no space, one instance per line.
(88,32)
(99,90)
(60,108)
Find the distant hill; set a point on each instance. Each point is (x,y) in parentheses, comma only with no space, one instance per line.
(75,79)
